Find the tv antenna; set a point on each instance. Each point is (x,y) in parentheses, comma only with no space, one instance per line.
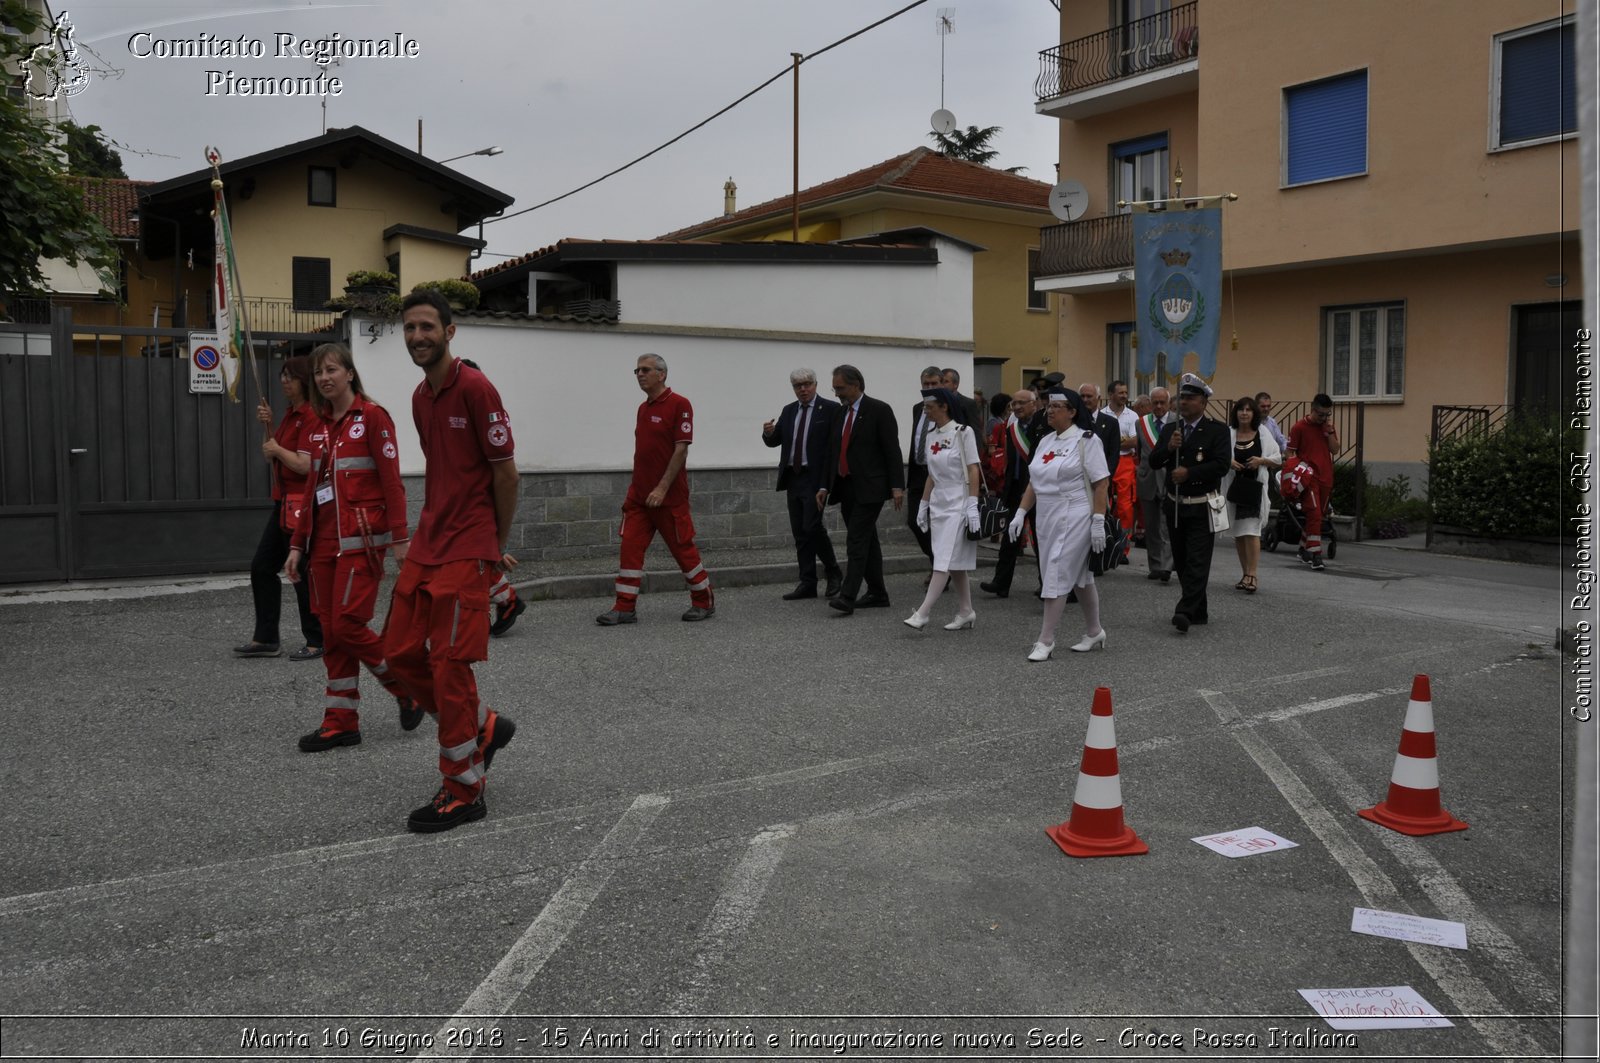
(942,120)
(335,61)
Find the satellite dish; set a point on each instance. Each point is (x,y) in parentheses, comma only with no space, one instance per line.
(1069,200)
(942,121)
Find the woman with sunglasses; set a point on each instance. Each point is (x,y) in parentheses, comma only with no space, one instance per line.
(1069,482)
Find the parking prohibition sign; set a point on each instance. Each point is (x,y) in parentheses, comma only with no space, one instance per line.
(205,364)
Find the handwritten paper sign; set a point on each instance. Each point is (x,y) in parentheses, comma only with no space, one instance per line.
(1395,1007)
(1252,841)
(1403,927)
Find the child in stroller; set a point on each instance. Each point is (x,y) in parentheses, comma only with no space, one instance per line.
(1299,487)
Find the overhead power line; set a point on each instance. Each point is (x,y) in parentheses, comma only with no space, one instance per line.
(781,73)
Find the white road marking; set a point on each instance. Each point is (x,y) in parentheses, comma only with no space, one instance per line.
(521,965)
(1278,715)
(1441,887)
(734,911)
(1472,999)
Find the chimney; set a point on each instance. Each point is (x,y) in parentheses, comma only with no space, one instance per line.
(728,190)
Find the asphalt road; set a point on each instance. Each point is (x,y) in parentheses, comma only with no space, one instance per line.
(782,815)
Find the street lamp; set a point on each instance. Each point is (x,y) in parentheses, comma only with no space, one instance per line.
(481,151)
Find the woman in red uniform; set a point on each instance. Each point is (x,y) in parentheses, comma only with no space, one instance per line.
(352,512)
(288,451)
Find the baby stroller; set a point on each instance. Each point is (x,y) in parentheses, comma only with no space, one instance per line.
(1290,525)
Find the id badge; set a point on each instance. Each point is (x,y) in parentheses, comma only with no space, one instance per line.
(324,494)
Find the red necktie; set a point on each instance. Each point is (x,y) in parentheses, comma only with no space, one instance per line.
(800,438)
(844,443)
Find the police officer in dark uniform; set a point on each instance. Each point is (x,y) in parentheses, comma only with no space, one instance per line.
(1197,451)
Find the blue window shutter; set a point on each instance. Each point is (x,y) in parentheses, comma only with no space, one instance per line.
(1538,85)
(1327,134)
(1129,148)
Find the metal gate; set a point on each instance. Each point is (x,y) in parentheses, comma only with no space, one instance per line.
(110,468)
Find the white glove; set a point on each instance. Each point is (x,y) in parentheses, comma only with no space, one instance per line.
(974,524)
(1018,522)
(923,517)
(1097,532)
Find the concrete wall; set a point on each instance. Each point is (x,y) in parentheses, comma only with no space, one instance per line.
(423,260)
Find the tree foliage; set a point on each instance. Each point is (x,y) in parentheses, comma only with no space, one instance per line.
(88,154)
(971,144)
(42,214)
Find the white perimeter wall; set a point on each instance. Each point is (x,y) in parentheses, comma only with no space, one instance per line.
(920,301)
(570,390)
(572,397)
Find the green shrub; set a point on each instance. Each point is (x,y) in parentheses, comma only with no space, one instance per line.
(371,278)
(1504,484)
(461,295)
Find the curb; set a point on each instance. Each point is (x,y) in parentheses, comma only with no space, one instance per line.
(659,582)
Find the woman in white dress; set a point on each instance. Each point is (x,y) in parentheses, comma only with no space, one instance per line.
(949,507)
(1069,482)
(1255,455)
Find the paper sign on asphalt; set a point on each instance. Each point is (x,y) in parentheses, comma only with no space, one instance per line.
(1252,841)
(1403,927)
(1395,1007)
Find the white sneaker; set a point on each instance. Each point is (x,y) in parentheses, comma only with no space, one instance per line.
(962,621)
(1042,651)
(1089,642)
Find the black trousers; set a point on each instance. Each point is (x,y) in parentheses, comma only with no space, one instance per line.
(271,553)
(916,477)
(811,539)
(1192,541)
(1005,565)
(864,555)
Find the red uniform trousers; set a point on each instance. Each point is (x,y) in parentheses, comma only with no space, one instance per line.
(1126,494)
(343,593)
(639,525)
(1314,503)
(438,626)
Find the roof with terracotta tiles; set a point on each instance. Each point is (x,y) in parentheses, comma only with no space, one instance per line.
(921,171)
(567,251)
(113,200)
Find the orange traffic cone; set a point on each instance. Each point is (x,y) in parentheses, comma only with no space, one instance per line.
(1096,827)
(1413,804)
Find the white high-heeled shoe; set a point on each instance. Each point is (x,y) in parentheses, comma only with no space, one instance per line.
(917,620)
(962,621)
(1089,642)
(1042,651)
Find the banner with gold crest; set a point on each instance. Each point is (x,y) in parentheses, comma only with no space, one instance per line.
(1177,262)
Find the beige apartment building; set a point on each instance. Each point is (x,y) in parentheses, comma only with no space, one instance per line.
(1406,228)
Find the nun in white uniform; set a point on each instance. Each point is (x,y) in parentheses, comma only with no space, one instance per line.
(949,508)
(1068,481)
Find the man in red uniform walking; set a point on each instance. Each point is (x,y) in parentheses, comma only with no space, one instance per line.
(439,618)
(1314,440)
(658,497)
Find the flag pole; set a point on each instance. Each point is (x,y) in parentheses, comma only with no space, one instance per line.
(227,281)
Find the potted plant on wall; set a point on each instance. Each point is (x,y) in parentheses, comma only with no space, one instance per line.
(461,295)
(369,293)
(371,282)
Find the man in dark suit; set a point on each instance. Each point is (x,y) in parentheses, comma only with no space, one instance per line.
(970,415)
(1019,452)
(863,472)
(1196,451)
(802,431)
(1105,426)
(917,460)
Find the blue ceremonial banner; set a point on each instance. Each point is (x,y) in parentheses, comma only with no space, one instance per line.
(1177,290)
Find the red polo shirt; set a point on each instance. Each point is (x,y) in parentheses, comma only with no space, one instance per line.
(294,435)
(463,430)
(664,422)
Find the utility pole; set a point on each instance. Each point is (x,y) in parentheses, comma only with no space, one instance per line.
(795,212)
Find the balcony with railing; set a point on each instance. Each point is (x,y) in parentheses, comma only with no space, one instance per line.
(280,315)
(1095,250)
(1145,59)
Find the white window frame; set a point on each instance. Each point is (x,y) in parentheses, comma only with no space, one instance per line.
(1353,393)
(1495,52)
(1027,270)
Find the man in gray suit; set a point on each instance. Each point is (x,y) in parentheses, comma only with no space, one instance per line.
(1151,485)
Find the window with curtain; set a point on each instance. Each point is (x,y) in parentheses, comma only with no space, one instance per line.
(1139,170)
(1366,348)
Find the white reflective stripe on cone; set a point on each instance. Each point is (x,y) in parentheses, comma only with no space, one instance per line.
(459,752)
(1098,791)
(1102,733)
(1419,716)
(1416,772)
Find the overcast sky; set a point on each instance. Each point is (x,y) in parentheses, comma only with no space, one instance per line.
(571,90)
